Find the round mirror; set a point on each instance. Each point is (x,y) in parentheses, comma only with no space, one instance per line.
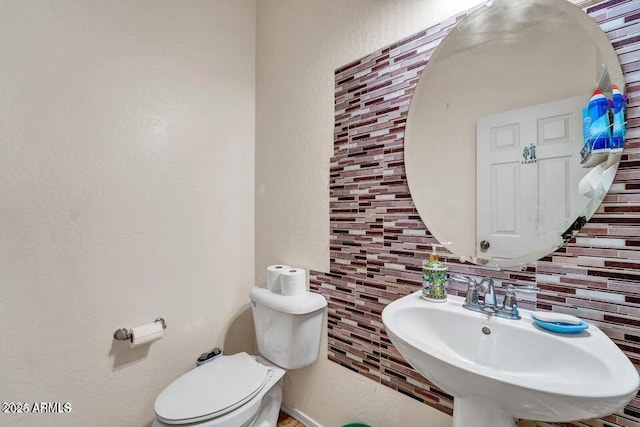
(495,150)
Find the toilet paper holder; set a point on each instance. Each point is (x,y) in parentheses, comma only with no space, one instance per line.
(123,334)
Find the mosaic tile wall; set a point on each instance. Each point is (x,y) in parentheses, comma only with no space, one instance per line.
(378,239)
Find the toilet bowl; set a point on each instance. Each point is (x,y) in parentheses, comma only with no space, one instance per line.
(243,390)
(231,391)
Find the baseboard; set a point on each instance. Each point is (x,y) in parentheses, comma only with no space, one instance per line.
(295,413)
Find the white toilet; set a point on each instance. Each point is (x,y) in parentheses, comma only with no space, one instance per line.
(243,390)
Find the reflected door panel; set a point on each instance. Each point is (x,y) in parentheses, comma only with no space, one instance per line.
(527,172)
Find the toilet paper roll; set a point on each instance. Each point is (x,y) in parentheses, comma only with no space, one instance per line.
(145,334)
(589,184)
(273,276)
(293,281)
(585,188)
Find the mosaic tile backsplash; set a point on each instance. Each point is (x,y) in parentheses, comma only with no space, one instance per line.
(377,239)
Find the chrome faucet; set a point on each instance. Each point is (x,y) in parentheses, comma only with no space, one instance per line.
(488,305)
(487,289)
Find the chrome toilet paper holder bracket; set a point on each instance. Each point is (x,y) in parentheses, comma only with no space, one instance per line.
(123,334)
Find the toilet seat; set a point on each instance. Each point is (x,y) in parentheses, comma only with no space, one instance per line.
(212,390)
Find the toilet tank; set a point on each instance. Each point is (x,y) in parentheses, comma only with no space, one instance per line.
(288,328)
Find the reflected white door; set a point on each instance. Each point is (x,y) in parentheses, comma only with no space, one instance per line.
(528,169)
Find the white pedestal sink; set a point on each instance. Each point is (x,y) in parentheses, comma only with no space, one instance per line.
(499,370)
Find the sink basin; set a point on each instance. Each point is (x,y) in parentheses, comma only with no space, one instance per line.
(499,370)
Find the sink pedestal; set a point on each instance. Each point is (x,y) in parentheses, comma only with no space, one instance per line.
(471,413)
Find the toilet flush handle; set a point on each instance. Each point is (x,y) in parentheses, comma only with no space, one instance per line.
(208,357)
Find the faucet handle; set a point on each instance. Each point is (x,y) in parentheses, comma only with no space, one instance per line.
(526,289)
(510,303)
(510,298)
(463,279)
(520,288)
(472,290)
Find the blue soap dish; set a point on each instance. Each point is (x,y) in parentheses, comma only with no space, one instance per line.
(561,328)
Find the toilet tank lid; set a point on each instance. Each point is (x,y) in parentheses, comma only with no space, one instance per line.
(290,304)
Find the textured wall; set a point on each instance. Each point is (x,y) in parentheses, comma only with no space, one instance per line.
(378,239)
(127,182)
(300,43)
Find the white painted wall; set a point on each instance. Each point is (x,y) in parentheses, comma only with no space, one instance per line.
(127,192)
(299,45)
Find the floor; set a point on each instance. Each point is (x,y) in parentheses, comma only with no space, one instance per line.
(286,420)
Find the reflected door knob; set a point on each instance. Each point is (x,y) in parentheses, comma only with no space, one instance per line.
(484,245)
